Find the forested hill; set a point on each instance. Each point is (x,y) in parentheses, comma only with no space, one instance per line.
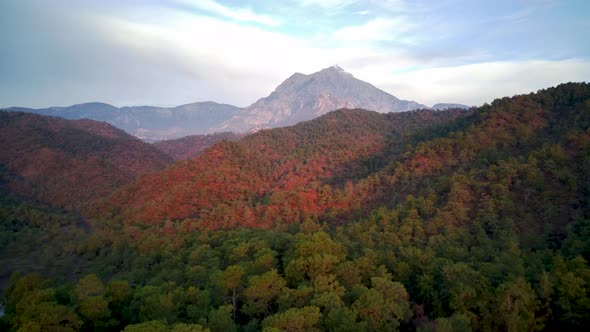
(279,175)
(69,163)
(474,220)
(352,161)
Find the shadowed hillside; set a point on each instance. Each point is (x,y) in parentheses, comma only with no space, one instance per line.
(192,146)
(68,163)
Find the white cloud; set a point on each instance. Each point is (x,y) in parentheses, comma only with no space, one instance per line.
(164,56)
(327,3)
(238,14)
(377,29)
(238,63)
(397,6)
(474,84)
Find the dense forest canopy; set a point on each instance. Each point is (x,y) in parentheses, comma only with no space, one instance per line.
(70,163)
(455,220)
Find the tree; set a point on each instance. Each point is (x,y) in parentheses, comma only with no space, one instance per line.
(261,292)
(314,256)
(19,287)
(90,296)
(327,292)
(457,322)
(231,280)
(295,320)
(149,326)
(197,303)
(156,303)
(118,295)
(383,306)
(182,327)
(342,319)
(37,310)
(516,304)
(159,326)
(220,320)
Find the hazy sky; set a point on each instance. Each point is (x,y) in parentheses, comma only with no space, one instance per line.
(170,52)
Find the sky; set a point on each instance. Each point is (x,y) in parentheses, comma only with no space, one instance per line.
(172,52)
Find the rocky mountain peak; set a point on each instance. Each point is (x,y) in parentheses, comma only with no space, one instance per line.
(304,97)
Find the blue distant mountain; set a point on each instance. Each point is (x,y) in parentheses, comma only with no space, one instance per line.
(299,98)
(443,106)
(149,123)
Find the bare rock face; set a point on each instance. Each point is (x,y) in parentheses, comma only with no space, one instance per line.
(304,97)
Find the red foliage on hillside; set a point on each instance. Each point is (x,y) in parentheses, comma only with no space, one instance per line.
(279,175)
(350,162)
(69,163)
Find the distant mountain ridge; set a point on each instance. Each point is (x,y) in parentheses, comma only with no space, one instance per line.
(305,97)
(443,106)
(149,123)
(299,98)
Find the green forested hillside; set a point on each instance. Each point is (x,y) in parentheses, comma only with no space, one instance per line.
(428,221)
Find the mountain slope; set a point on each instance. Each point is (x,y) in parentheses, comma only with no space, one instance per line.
(304,97)
(148,122)
(453,220)
(194,145)
(68,163)
(278,174)
(94,111)
(351,161)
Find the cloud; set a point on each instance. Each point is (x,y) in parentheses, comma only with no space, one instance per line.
(327,3)
(377,29)
(179,51)
(237,63)
(238,14)
(397,6)
(475,84)
(158,55)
